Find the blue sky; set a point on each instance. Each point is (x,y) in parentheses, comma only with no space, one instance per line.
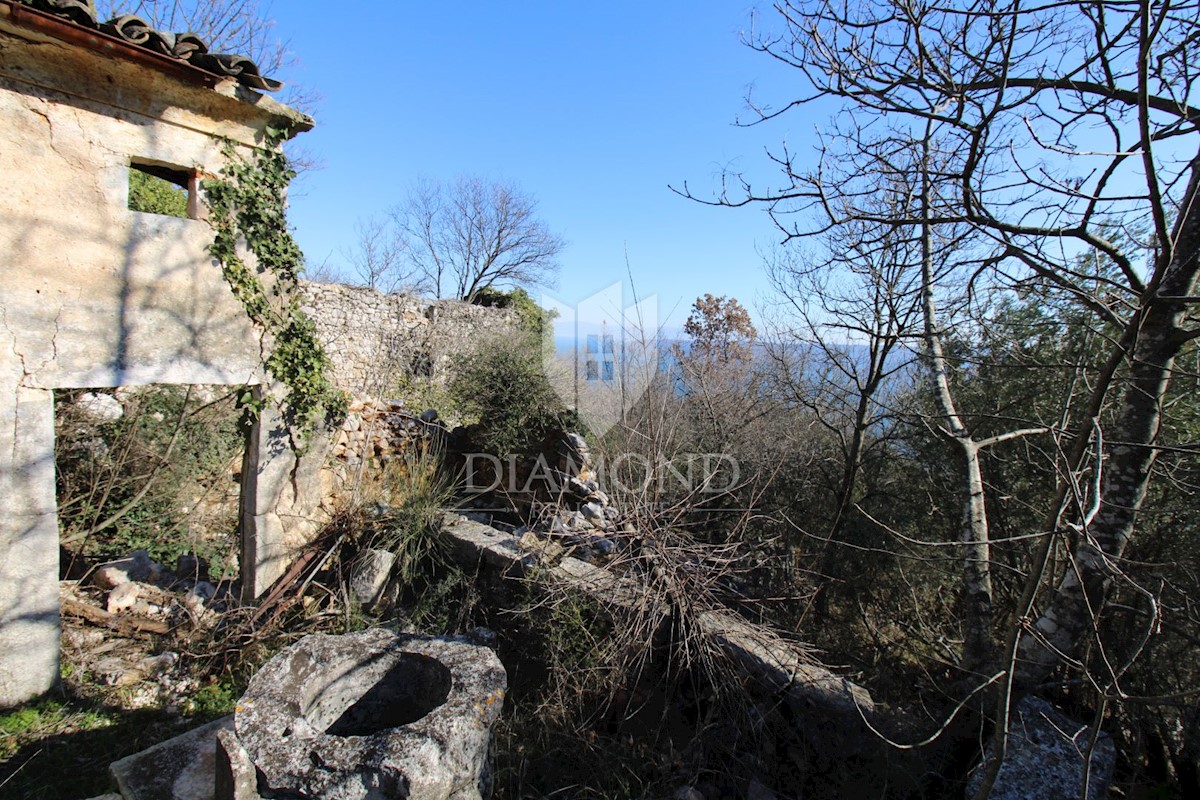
(594,109)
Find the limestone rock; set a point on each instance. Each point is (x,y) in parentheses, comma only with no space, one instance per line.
(546,550)
(109,577)
(373,714)
(100,407)
(593,513)
(577,488)
(603,546)
(122,598)
(236,778)
(137,566)
(181,768)
(369,576)
(1045,757)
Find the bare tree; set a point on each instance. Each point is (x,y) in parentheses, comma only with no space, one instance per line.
(377,258)
(1059,120)
(838,349)
(472,234)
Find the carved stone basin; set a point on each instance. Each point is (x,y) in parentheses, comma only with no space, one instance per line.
(375,714)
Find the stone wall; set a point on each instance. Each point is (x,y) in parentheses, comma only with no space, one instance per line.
(93,294)
(378,342)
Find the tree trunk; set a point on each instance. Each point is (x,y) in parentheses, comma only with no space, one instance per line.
(976,555)
(1075,604)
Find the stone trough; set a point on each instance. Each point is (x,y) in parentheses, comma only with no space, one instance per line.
(375,714)
(364,716)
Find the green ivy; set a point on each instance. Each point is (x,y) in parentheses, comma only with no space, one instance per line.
(247,203)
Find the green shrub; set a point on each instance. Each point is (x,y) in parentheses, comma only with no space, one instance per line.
(153,195)
(504,386)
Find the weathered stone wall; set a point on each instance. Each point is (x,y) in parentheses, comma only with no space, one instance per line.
(95,295)
(377,342)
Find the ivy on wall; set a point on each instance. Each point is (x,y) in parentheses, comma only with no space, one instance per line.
(246,203)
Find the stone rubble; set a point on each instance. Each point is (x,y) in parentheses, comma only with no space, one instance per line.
(100,407)
(135,593)
(1045,756)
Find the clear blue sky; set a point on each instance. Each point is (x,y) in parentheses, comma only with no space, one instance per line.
(594,109)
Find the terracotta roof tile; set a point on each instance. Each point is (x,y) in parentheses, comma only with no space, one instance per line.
(186,47)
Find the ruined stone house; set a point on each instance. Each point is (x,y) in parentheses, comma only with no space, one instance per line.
(93,294)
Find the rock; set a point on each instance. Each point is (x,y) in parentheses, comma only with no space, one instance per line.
(1045,757)
(122,598)
(191,567)
(198,596)
(147,609)
(373,714)
(484,637)
(687,793)
(429,415)
(95,448)
(577,453)
(578,488)
(178,768)
(159,664)
(100,407)
(137,566)
(600,497)
(604,547)
(235,778)
(611,514)
(593,513)
(545,549)
(369,576)
(109,577)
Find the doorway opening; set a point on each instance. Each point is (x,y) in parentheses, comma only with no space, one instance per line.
(154,468)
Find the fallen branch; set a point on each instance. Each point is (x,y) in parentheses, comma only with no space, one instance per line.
(126,626)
